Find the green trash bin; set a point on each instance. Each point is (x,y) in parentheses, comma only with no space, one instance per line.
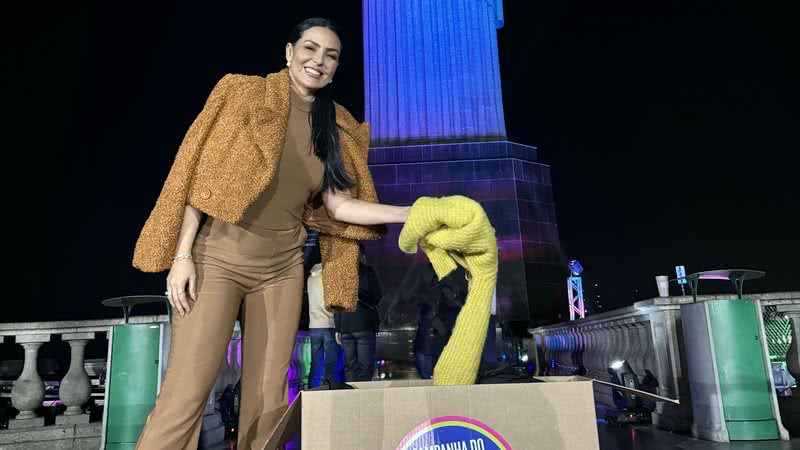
(136,360)
(732,390)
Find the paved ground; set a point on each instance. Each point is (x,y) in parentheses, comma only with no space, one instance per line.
(616,437)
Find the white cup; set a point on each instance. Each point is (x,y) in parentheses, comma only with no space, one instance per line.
(662,281)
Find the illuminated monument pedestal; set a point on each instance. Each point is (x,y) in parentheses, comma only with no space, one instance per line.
(513,188)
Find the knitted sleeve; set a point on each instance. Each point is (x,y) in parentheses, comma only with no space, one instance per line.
(455,231)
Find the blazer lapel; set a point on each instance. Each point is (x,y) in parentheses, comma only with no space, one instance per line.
(270,118)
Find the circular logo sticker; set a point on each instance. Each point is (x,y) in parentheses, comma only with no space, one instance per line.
(453,433)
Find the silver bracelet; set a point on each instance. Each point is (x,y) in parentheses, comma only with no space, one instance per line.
(182,256)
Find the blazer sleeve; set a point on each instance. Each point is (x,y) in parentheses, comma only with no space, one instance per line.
(159,236)
(339,272)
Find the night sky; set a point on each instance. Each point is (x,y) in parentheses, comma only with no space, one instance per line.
(668,127)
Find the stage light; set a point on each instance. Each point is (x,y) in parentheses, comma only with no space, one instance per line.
(629,405)
(575,268)
(622,374)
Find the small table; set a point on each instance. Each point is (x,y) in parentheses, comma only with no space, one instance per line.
(736,276)
(127,303)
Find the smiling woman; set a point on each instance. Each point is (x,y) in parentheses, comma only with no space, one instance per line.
(315,55)
(264,157)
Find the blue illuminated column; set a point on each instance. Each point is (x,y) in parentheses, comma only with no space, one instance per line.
(433,98)
(431,70)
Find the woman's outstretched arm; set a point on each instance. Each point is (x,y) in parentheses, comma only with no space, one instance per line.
(343,207)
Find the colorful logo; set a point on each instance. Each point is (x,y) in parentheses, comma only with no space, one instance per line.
(453,433)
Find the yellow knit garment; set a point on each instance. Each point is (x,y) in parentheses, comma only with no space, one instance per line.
(455,230)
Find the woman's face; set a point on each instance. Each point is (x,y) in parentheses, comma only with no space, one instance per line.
(313,59)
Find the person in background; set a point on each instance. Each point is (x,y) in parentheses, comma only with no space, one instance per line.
(324,349)
(442,320)
(357,331)
(439,303)
(489,355)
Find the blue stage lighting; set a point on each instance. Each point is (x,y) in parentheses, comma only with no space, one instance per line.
(575,268)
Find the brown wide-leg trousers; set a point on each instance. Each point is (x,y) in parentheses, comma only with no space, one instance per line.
(269,283)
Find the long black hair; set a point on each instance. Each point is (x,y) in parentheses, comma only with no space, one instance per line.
(324,134)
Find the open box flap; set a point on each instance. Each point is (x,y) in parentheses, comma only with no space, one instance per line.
(288,427)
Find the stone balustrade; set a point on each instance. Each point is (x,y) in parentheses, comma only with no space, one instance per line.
(648,336)
(75,389)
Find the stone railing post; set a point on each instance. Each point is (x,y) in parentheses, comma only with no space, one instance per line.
(565,355)
(631,348)
(28,391)
(665,339)
(552,352)
(547,350)
(645,337)
(637,348)
(603,351)
(75,388)
(593,351)
(617,344)
(552,347)
(569,351)
(581,350)
(669,371)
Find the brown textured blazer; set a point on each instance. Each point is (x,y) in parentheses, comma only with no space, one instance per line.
(228,158)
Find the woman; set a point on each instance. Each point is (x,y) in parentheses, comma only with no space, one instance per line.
(262,158)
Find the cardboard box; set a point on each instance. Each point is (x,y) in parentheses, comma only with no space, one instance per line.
(556,414)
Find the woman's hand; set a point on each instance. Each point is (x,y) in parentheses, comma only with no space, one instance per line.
(182,286)
(182,272)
